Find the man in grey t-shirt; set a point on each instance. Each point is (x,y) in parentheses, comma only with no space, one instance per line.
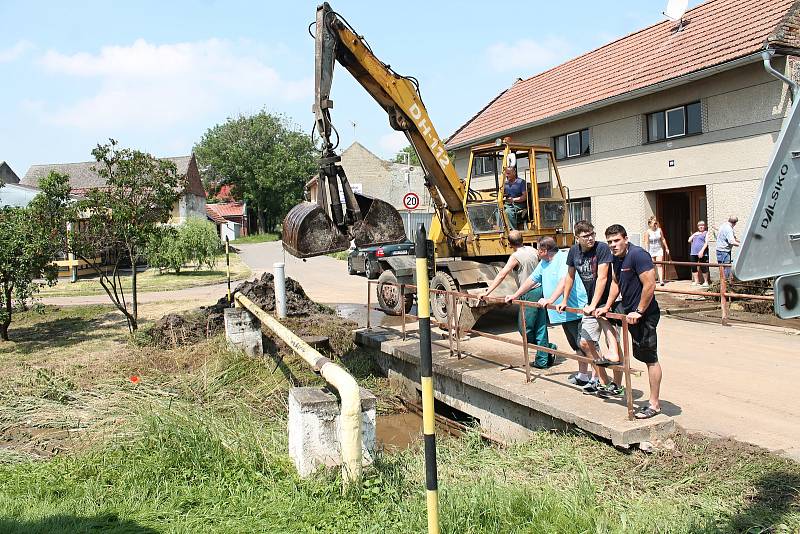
(726,240)
(523,261)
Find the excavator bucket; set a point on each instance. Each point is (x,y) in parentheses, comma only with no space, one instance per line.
(308,230)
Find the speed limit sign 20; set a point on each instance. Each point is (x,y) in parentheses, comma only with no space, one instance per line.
(411,201)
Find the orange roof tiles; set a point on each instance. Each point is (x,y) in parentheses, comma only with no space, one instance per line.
(715,32)
(226,210)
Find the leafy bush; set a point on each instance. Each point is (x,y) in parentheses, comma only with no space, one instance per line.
(195,242)
(165,251)
(199,241)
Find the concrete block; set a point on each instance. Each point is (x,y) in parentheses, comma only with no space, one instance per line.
(243,331)
(314,428)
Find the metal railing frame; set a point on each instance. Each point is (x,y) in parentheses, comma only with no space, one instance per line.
(723,294)
(454,333)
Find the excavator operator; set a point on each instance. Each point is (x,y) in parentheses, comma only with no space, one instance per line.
(515,198)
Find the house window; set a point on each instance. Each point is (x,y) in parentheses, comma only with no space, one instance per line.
(573,144)
(675,122)
(482,165)
(580,209)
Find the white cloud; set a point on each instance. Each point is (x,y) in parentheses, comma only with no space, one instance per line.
(392,143)
(14,52)
(526,57)
(152,85)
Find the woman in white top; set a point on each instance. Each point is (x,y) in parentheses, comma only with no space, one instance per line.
(656,245)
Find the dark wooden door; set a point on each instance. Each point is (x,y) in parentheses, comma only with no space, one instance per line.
(678,211)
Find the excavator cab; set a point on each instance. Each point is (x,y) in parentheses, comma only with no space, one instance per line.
(335,215)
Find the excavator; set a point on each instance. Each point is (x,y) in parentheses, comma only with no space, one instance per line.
(469,230)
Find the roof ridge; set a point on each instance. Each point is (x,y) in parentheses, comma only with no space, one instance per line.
(720,33)
(492,101)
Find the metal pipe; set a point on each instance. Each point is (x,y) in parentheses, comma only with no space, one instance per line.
(280,289)
(766,56)
(345,384)
(626,369)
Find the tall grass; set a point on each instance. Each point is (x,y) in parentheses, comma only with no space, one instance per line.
(206,452)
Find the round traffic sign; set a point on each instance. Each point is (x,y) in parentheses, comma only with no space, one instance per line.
(411,201)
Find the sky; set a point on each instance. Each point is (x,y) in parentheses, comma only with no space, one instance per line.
(157,75)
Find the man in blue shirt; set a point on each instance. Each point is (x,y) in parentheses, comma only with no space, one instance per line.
(634,278)
(515,196)
(726,240)
(550,273)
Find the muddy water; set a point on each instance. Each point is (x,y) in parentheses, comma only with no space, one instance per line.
(398,431)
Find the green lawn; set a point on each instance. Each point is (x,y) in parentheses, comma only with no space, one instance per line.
(150,280)
(198,444)
(256,238)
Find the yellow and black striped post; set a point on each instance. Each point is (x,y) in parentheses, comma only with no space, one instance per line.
(228,267)
(426,380)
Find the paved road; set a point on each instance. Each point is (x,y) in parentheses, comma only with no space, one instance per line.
(738,381)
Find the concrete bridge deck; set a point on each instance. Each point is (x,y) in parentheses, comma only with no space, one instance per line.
(483,386)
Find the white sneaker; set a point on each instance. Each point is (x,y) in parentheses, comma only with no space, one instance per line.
(694,284)
(705,285)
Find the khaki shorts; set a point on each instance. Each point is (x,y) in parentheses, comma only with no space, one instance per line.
(592,327)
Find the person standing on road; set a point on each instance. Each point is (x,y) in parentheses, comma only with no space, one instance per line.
(698,252)
(656,245)
(550,274)
(515,198)
(592,261)
(726,240)
(634,278)
(523,261)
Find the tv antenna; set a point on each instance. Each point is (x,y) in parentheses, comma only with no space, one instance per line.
(675,11)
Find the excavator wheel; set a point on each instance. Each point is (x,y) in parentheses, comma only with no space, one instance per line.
(389,297)
(439,302)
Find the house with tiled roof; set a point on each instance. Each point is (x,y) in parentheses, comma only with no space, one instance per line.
(82,177)
(230,218)
(674,120)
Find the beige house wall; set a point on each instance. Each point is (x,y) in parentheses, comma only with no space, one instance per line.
(383,179)
(742,112)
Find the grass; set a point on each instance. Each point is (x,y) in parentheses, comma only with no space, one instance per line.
(151,281)
(199,444)
(341,255)
(256,238)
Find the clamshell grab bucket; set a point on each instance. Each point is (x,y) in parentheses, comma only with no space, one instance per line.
(308,231)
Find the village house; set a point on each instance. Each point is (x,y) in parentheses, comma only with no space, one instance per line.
(191,202)
(677,120)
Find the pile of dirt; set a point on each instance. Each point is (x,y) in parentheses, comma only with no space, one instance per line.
(174,329)
(262,292)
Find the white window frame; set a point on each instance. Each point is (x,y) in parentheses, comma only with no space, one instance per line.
(666,122)
(578,135)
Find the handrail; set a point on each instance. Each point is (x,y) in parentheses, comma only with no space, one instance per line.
(336,376)
(453,329)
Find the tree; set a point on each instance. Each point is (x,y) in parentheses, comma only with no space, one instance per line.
(122,217)
(413,159)
(31,240)
(265,160)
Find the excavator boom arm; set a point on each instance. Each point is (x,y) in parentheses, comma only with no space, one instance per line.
(397,95)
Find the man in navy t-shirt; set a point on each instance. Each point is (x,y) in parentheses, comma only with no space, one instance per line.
(591,261)
(515,196)
(634,278)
